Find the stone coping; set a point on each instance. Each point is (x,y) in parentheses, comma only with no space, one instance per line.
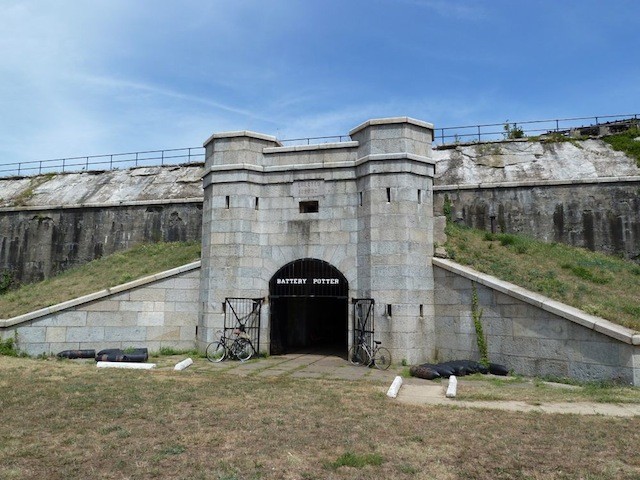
(312,147)
(230,167)
(378,157)
(133,203)
(98,295)
(537,183)
(391,121)
(241,133)
(567,312)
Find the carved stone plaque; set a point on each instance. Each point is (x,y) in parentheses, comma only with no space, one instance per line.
(308,188)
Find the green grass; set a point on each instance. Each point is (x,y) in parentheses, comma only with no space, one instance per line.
(350,459)
(599,284)
(625,142)
(109,271)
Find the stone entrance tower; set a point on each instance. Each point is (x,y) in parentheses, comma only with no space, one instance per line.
(363,208)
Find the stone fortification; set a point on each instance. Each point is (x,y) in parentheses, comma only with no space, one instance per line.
(49,223)
(578,192)
(334,243)
(360,210)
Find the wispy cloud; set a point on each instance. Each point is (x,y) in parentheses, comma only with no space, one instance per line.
(128,85)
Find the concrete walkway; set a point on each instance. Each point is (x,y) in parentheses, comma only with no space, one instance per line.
(414,391)
(435,395)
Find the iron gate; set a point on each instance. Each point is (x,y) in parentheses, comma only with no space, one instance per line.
(244,314)
(363,310)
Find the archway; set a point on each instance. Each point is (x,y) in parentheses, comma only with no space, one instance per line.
(309,308)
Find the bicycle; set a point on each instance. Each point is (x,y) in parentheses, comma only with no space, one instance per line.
(362,354)
(239,347)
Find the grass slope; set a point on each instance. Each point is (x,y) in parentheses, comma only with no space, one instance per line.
(599,284)
(109,271)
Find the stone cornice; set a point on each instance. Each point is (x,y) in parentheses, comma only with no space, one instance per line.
(391,121)
(537,183)
(135,203)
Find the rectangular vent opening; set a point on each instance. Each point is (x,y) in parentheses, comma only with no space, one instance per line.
(310,206)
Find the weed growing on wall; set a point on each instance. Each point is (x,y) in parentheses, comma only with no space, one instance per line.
(447,208)
(626,142)
(6,281)
(9,347)
(512,132)
(481,339)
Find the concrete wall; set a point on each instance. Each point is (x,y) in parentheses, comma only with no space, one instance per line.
(581,193)
(51,222)
(36,243)
(527,332)
(601,215)
(156,311)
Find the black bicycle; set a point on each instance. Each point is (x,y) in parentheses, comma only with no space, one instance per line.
(239,347)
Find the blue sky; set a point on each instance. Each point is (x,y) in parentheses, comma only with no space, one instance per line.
(84,77)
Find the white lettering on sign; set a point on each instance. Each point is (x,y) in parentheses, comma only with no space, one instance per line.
(303,281)
(291,281)
(326,281)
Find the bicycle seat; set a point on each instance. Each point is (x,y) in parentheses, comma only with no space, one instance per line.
(377,342)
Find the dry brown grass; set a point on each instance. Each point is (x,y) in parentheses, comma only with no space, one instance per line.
(63,420)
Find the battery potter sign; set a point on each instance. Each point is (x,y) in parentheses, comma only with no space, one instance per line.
(303,281)
(309,277)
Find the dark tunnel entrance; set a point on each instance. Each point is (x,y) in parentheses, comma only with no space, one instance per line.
(309,308)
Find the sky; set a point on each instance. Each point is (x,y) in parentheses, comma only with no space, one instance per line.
(88,77)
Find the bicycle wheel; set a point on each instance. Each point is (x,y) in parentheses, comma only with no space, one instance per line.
(382,358)
(242,349)
(358,355)
(216,352)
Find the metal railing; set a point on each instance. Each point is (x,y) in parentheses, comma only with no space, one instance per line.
(316,140)
(500,131)
(150,158)
(442,137)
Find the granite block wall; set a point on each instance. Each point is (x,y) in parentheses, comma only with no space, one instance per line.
(153,312)
(530,334)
